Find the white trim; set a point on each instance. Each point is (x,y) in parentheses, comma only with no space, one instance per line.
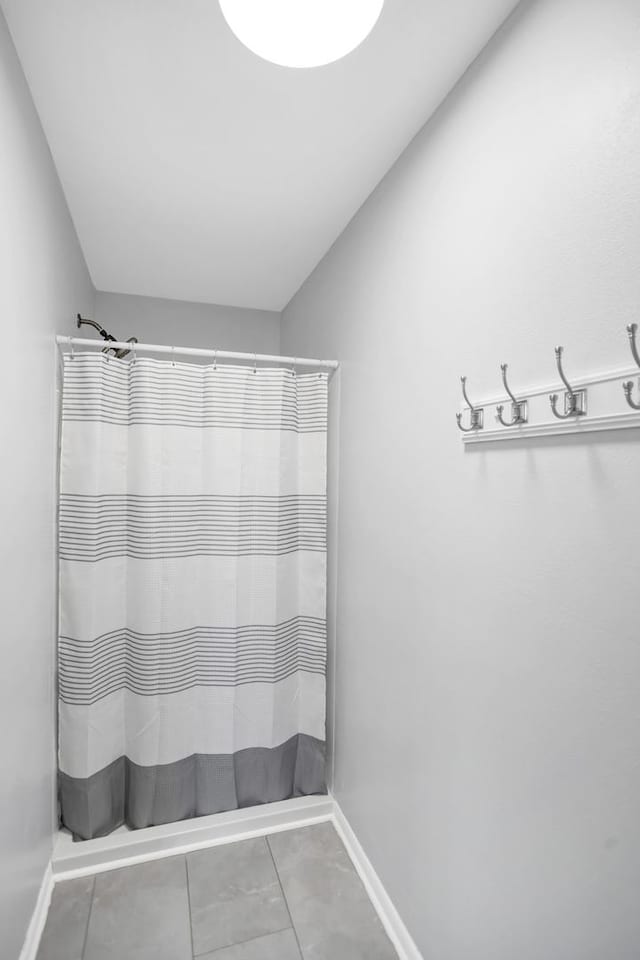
(38,917)
(559,428)
(123,849)
(382,903)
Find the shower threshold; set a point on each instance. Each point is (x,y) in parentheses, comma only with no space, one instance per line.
(124,846)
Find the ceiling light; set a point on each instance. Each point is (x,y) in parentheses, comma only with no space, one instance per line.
(301,33)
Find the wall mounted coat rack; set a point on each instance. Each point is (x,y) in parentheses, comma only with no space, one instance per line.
(613,404)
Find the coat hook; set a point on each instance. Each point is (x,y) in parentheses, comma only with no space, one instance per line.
(476,414)
(628,386)
(575,401)
(518,407)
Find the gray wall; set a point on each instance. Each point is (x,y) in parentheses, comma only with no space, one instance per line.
(488,660)
(187,324)
(44,283)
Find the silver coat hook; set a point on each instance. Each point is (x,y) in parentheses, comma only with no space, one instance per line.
(476,414)
(518,407)
(575,401)
(632,329)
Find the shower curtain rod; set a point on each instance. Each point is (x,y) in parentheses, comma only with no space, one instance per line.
(194,352)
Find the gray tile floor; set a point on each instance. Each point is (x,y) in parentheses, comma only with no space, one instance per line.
(290,896)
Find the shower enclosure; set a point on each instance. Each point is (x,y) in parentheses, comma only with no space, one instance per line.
(192,552)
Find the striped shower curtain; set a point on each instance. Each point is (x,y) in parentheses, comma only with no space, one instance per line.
(192,590)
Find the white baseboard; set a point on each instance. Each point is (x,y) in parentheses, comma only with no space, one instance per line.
(39,917)
(391,920)
(125,848)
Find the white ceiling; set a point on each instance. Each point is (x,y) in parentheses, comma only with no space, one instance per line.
(196,171)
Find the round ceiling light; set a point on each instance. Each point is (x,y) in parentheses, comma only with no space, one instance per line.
(301,33)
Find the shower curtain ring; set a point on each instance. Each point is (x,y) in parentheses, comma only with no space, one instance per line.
(71,346)
(293,366)
(255,363)
(133,352)
(173,356)
(215,359)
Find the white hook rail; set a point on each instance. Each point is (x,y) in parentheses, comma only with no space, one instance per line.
(530,415)
(607,410)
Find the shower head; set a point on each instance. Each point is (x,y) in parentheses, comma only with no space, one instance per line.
(85,321)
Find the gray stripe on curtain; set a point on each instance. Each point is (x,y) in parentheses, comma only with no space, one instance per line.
(125,792)
(197,396)
(150,664)
(94,528)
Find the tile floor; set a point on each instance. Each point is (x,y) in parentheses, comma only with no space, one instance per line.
(290,896)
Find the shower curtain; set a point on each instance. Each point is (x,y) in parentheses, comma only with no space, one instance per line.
(192,553)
